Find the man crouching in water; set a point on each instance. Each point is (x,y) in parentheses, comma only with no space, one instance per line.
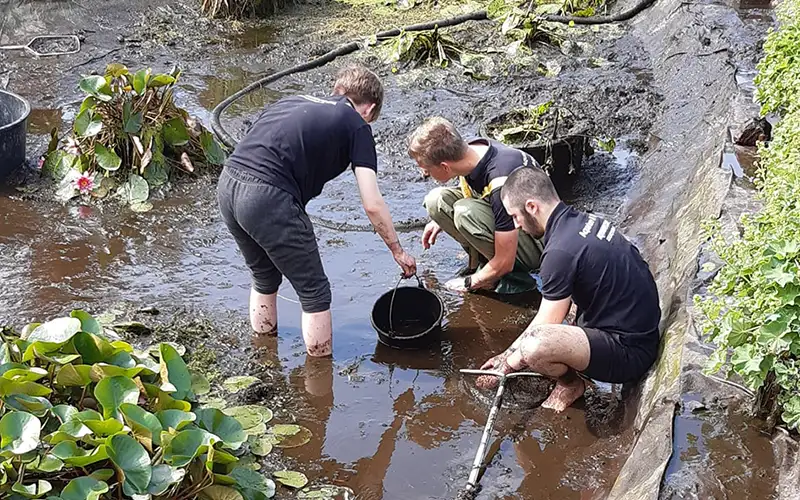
(588,262)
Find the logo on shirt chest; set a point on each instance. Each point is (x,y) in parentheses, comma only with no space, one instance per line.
(605,232)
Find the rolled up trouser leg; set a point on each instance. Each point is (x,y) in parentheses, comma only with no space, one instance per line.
(474,220)
(439,204)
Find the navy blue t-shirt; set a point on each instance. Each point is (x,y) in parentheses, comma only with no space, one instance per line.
(585,257)
(499,161)
(301,142)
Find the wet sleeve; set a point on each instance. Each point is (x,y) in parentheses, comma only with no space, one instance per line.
(558,274)
(362,150)
(502,221)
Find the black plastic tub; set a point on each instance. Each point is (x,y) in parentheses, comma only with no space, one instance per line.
(416,317)
(14,112)
(562,157)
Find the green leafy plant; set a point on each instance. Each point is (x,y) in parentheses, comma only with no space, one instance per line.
(524,25)
(128,138)
(87,417)
(752,311)
(422,47)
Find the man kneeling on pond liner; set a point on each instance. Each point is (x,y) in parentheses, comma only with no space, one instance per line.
(290,152)
(473,213)
(588,262)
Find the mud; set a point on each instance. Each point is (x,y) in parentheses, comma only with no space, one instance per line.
(386,423)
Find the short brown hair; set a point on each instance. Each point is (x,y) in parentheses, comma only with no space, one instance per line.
(435,141)
(361,85)
(528,183)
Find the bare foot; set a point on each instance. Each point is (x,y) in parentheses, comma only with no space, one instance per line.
(564,394)
(486,382)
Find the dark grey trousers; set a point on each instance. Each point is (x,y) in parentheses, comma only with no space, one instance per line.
(275,236)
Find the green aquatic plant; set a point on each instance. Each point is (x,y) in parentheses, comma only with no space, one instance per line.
(128,138)
(752,310)
(86,416)
(422,47)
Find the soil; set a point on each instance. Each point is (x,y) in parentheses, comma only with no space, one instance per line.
(386,423)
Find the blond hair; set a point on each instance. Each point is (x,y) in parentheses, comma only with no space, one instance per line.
(436,141)
(362,86)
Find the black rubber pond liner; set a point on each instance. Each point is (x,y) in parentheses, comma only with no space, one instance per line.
(349,48)
(14,112)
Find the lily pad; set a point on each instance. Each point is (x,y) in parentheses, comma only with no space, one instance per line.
(111,392)
(290,478)
(19,432)
(239,383)
(175,419)
(217,492)
(262,445)
(326,492)
(84,488)
(34,405)
(227,428)
(250,415)
(186,446)
(132,459)
(289,435)
(163,477)
(175,375)
(34,490)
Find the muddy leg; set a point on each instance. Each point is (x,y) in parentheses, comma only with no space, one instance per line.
(318,333)
(264,312)
(556,351)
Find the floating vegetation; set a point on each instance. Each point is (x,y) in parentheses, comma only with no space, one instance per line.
(128,138)
(422,47)
(85,416)
(531,125)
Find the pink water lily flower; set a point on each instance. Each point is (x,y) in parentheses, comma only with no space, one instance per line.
(85,183)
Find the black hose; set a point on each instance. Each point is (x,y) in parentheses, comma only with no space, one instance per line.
(345,49)
(349,48)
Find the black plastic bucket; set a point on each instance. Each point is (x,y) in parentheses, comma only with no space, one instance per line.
(14,112)
(408,317)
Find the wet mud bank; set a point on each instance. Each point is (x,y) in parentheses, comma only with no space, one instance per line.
(386,423)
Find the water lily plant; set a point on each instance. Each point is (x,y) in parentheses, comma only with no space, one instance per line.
(128,138)
(87,416)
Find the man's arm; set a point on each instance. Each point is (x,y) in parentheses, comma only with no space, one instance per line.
(378,213)
(505,253)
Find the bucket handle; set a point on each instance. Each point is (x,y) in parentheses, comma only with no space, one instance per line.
(391,303)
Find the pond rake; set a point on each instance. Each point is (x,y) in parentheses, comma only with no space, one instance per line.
(477,465)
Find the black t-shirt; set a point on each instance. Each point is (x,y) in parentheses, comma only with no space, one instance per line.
(499,161)
(301,142)
(585,257)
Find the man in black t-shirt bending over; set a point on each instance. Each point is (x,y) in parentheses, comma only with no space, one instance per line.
(586,261)
(290,152)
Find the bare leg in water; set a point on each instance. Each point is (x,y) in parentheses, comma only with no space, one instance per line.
(317,329)
(264,312)
(556,351)
(318,333)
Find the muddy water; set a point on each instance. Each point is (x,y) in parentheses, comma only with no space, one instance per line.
(388,423)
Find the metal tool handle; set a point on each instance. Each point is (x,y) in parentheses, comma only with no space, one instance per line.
(391,302)
(480,456)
